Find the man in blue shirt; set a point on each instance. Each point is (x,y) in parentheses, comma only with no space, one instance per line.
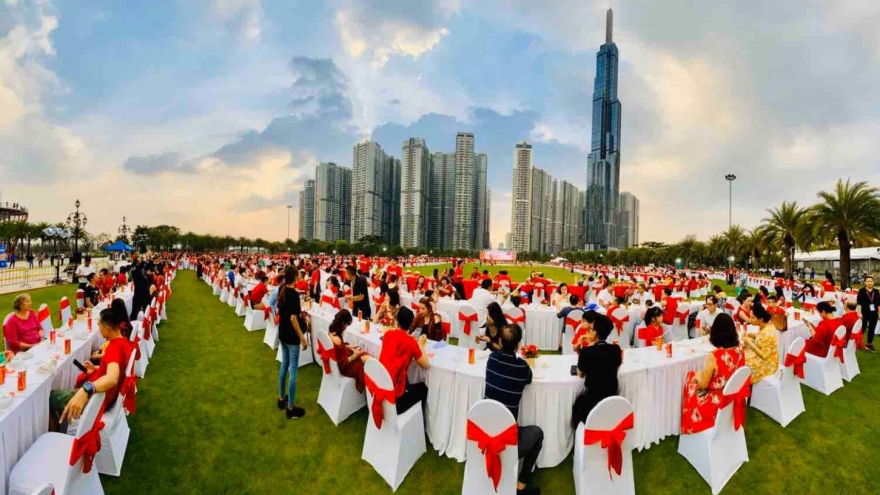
(506,376)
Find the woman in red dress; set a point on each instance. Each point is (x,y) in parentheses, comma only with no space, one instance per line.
(653,326)
(744,311)
(350,360)
(703,390)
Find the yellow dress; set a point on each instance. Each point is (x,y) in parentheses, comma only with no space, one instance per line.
(767,342)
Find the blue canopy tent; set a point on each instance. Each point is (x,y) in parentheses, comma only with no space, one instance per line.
(118,247)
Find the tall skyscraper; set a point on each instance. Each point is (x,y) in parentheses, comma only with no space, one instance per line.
(443,204)
(520,218)
(375,194)
(416,194)
(465,176)
(508,241)
(565,221)
(487,238)
(307,211)
(629,220)
(481,205)
(541,211)
(332,202)
(603,162)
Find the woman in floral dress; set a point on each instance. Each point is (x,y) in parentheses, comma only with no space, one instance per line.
(703,389)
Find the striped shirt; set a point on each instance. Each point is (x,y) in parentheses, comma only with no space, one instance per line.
(506,377)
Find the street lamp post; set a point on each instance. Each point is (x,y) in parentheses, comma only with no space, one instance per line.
(124,230)
(288,221)
(730,178)
(77,221)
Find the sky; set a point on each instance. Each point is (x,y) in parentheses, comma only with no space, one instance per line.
(211,114)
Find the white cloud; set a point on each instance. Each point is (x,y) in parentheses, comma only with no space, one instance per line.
(241,17)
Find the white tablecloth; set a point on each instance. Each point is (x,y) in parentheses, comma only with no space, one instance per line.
(28,416)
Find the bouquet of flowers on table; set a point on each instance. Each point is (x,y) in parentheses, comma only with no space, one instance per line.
(530,352)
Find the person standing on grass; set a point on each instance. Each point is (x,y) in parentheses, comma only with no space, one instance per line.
(291,330)
(868,299)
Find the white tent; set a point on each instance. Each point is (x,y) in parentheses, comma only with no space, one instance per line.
(855,254)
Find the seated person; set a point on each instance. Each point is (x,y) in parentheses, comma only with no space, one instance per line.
(107,377)
(386,314)
(703,389)
(706,317)
(597,364)
(259,291)
(349,359)
(91,291)
(428,322)
(106,282)
(821,334)
(653,326)
(560,297)
(762,350)
(743,314)
(399,349)
(446,289)
(583,330)
(506,377)
(850,316)
(565,310)
(495,321)
(670,311)
(22,330)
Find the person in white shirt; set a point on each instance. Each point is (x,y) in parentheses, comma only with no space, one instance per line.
(641,296)
(605,298)
(481,299)
(706,317)
(84,270)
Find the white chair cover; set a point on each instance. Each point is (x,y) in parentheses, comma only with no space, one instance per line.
(255,319)
(114,436)
(45,318)
(515,315)
(590,466)
(337,395)
(779,395)
(571,322)
(492,418)
(626,335)
(822,374)
(467,341)
(394,449)
(849,368)
(65,310)
(270,338)
(679,329)
(717,453)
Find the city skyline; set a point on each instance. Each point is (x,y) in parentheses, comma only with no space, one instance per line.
(228,112)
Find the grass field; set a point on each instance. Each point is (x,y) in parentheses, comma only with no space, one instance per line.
(207,423)
(517,273)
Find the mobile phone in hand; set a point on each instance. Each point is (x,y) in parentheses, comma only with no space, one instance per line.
(80,366)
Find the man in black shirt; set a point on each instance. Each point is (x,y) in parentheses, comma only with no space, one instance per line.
(360,296)
(597,365)
(869,300)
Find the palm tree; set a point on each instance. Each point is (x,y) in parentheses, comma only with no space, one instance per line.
(787,225)
(851,215)
(734,240)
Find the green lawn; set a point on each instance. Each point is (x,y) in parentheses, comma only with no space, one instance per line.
(207,423)
(517,273)
(49,295)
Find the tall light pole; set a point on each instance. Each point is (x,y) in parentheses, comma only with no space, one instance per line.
(76,221)
(730,178)
(288,221)
(124,230)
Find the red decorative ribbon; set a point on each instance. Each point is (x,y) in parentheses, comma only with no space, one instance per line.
(571,322)
(618,322)
(467,319)
(797,360)
(147,325)
(521,319)
(612,441)
(65,304)
(838,345)
(267,310)
(379,395)
(129,389)
(492,447)
(326,356)
(447,328)
(333,301)
(44,314)
(738,399)
(87,446)
(857,337)
(683,318)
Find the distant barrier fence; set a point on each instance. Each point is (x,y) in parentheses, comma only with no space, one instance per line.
(25,277)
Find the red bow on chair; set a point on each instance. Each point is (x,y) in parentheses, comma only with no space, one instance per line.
(44,314)
(612,441)
(571,322)
(147,325)
(379,395)
(129,389)
(65,304)
(618,322)
(378,300)
(808,305)
(333,301)
(838,345)
(326,355)
(858,338)
(447,328)
(235,293)
(153,313)
(491,447)
(739,400)
(267,311)
(521,319)
(87,446)
(683,318)
(797,360)
(467,319)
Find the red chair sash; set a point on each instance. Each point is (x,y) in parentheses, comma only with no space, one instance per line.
(447,328)
(683,318)
(739,400)
(235,293)
(612,441)
(571,322)
(797,360)
(267,311)
(44,314)
(467,319)
(331,300)
(379,395)
(87,446)
(838,345)
(147,325)
(129,389)
(65,304)
(326,355)
(618,322)
(857,337)
(491,447)
(521,319)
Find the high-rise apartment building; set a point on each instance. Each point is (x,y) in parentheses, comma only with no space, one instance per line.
(629,220)
(307,211)
(508,241)
(603,162)
(481,202)
(541,211)
(487,238)
(566,222)
(520,218)
(375,194)
(332,202)
(416,194)
(465,176)
(443,203)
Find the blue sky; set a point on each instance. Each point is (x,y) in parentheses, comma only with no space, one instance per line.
(211,114)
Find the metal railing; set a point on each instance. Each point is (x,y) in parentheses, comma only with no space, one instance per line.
(24,276)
